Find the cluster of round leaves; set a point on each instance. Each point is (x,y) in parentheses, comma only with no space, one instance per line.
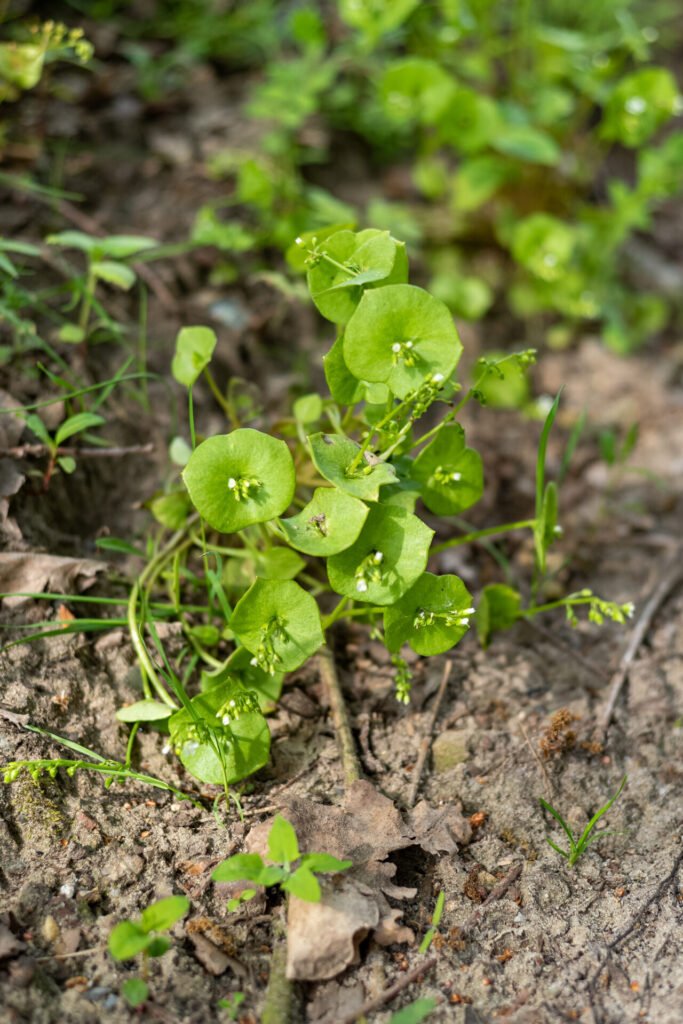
(395,344)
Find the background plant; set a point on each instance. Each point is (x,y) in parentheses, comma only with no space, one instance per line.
(129,939)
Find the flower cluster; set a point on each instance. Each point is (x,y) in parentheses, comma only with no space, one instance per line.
(241,485)
(369,571)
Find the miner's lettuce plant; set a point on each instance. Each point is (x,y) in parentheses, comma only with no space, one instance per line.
(321,519)
(329,510)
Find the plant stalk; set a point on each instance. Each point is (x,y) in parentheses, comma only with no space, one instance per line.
(342,726)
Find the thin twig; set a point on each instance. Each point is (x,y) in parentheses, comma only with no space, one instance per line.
(69,956)
(385,996)
(538,760)
(427,742)
(342,726)
(277,1008)
(495,894)
(661,592)
(23,451)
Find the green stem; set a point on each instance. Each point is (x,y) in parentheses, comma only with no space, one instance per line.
(86,305)
(563,603)
(222,401)
(336,613)
(149,573)
(478,534)
(129,746)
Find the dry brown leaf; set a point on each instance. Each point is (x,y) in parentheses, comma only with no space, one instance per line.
(439,829)
(33,572)
(389,930)
(323,938)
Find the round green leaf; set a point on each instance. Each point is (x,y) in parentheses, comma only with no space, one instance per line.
(163,914)
(498,609)
(303,884)
(401,335)
(527,143)
(432,617)
(134,991)
(118,274)
(127,939)
(282,842)
(333,457)
(279,564)
(347,262)
(193,350)
(144,711)
(344,387)
(388,557)
(308,408)
(640,103)
(329,523)
(543,244)
(158,946)
(243,740)
(279,622)
(245,867)
(240,478)
(451,475)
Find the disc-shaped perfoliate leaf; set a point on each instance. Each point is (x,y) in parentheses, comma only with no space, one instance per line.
(244,741)
(334,457)
(144,711)
(240,478)
(279,622)
(267,687)
(193,350)
(329,523)
(344,387)
(347,264)
(388,557)
(498,608)
(451,475)
(400,334)
(432,617)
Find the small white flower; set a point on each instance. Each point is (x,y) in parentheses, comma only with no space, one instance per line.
(558,531)
(409,344)
(226,719)
(467,611)
(298,241)
(437,378)
(361,586)
(635,105)
(254,662)
(464,622)
(396,347)
(232,483)
(166,749)
(456,477)
(231,704)
(378,557)
(629,609)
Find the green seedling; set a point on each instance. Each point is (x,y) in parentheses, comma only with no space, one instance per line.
(436,918)
(108,260)
(283,851)
(232,1004)
(79,423)
(130,938)
(577,847)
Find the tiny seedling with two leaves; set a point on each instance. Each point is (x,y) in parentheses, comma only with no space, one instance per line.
(130,938)
(577,847)
(283,851)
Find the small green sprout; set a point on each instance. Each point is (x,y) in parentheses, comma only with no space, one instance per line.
(128,938)
(577,848)
(231,1004)
(436,917)
(283,850)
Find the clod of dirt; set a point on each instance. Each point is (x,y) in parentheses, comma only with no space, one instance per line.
(450,749)
(440,830)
